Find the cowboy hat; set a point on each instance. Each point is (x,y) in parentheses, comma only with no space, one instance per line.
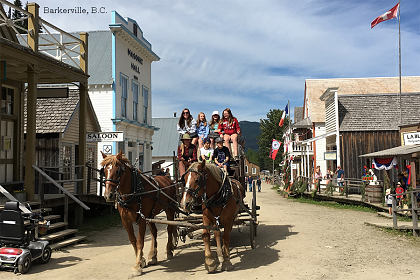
(186,136)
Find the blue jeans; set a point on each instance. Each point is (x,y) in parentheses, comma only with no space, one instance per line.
(250,187)
(259,187)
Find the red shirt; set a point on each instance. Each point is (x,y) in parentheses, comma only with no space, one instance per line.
(230,128)
(190,152)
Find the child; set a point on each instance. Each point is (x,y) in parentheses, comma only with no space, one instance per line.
(214,127)
(221,155)
(202,129)
(388,199)
(187,153)
(206,153)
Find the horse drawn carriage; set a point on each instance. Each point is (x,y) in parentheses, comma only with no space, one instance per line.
(204,198)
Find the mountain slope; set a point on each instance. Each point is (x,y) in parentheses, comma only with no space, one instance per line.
(250,131)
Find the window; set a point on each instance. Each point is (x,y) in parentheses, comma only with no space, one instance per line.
(246,168)
(67,162)
(145,103)
(124,86)
(6,101)
(135,29)
(135,89)
(254,170)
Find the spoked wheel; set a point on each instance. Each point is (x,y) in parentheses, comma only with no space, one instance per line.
(24,264)
(46,255)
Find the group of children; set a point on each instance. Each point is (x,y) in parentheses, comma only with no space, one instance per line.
(213,138)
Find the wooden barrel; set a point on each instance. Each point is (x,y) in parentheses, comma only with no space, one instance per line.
(374,193)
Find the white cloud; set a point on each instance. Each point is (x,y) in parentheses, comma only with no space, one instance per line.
(217,54)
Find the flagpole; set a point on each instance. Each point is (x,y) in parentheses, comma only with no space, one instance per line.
(399,54)
(290,141)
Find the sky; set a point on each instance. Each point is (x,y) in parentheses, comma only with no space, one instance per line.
(254,55)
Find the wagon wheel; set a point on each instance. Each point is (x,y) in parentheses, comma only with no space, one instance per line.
(254,210)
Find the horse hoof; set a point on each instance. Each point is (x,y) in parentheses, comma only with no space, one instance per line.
(143,262)
(211,265)
(227,266)
(136,272)
(170,255)
(152,261)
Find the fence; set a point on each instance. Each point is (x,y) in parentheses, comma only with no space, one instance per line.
(415,207)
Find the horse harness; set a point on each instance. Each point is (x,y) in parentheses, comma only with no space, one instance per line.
(137,190)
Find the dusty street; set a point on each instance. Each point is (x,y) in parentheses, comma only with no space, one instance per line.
(295,241)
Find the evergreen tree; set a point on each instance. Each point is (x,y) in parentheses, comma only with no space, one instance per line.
(270,130)
(17,15)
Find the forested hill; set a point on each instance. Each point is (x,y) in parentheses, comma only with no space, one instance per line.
(250,130)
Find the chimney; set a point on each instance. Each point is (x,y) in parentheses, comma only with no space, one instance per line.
(174,114)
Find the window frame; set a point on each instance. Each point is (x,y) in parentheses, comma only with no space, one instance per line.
(135,99)
(124,94)
(145,95)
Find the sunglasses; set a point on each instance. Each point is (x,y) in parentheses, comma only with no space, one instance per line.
(186,113)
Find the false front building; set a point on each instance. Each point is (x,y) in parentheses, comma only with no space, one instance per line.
(120,88)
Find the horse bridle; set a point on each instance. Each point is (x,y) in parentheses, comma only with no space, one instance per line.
(202,178)
(116,182)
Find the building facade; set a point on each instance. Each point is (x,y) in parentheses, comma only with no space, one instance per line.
(120,88)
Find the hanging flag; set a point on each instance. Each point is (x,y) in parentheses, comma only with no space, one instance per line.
(275,146)
(283,116)
(388,15)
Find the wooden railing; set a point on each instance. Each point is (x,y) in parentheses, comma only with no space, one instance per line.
(415,201)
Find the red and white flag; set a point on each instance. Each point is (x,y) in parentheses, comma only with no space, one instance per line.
(283,116)
(275,146)
(388,15)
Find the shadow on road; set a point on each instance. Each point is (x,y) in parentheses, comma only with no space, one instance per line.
(55,263)
(243,257)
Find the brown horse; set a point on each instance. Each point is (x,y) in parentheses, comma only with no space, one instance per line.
(220,204)
(137,202)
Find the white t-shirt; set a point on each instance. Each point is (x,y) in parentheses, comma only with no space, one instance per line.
(208,154)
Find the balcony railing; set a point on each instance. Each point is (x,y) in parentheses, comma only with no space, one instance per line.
(54,42)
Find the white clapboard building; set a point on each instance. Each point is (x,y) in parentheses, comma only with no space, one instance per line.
(120,88)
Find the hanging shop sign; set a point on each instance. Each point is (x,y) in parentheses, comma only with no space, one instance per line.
(411,138)
(332,155)
(111,136)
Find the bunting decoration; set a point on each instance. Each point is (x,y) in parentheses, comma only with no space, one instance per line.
(384,163)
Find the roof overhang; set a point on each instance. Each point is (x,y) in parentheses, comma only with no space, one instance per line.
(305,123)
(403,151)
(318,137)
(49,70)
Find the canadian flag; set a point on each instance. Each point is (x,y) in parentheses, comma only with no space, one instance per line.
(275,146)
(388,15)
(283,116)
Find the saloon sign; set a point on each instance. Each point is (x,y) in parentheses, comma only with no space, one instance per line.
(112,136)
(411,138)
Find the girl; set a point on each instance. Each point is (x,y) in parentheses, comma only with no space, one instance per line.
(202,129)
(230,129)
(206,153)
(214,127)
(187,124)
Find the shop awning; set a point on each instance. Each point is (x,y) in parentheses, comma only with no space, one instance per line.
(396,151)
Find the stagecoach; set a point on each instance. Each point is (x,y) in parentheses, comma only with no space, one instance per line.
(139,197)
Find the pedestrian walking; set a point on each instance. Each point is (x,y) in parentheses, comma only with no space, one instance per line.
(250,183)
(259,184)
(340,178)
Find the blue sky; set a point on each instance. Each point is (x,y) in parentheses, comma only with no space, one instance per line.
(254,55)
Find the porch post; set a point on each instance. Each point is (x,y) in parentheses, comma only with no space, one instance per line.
(30,133)
(83,92)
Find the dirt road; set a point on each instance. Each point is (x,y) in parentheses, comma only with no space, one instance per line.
(295,241)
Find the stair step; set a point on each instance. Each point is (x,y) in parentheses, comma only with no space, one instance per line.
(52,217)
(44,210)
(57,225)
(58,234)
(67,242)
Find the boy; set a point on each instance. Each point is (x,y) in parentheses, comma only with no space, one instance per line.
(206,152)
(221,155)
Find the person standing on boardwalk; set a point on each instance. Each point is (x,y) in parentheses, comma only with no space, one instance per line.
(317,177)
(259,184)
(340,178)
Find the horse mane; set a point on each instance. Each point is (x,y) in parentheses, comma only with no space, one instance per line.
(112,159)
(211,168)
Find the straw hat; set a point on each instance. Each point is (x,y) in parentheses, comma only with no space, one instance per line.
(186,136)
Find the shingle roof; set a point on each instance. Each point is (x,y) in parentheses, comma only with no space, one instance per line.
(165,140)
(364,112)
(396,151)
(298,114)
(306,122)
(314,88)
(53,114)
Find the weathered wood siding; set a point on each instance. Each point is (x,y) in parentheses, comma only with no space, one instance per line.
(354,144)
(330,115)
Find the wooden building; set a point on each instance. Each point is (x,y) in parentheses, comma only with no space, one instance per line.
(25,64)
(57,140)
(366,123)
(251,169)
